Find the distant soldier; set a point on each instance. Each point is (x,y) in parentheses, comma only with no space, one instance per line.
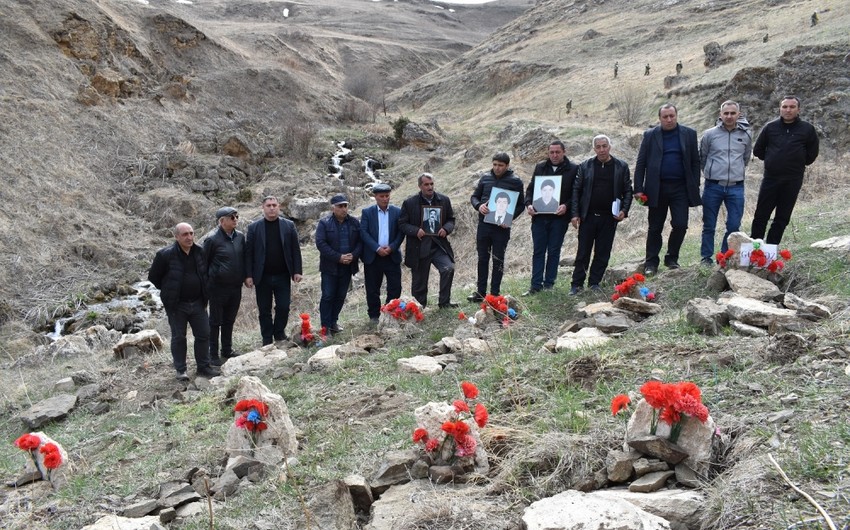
(679,68)
(616,69)
(766,37)
(814,19)
(646,69)
(569,106)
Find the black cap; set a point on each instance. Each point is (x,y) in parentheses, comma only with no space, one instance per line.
(381,187)
(224,212)
(339,199)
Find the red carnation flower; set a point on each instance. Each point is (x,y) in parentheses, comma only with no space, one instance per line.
(53,459)
(420,435)
(655,393)
(461,428)
(669,416)
(690,389)
(639,277)
(28,442)
(785,253)
(304,316)
(465,446)
(448,427)
(419,317)
(650,297)
(431,445)
(481,415)
(619,403)
(469,390)
(460,406)
(461,316)
(615,297)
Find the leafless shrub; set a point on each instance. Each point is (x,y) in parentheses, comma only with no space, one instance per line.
(297,136)
(366,83)
(630,101)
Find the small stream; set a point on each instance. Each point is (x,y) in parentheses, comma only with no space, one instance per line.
(342,155)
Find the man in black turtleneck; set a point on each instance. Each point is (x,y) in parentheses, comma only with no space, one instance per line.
(601,184)
(787,145)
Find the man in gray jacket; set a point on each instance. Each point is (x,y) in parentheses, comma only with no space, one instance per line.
(725,151)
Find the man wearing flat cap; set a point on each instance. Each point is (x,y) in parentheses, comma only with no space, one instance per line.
(225,255)
(338,241)
(382,239)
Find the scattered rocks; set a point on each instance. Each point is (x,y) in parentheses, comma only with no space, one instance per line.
(111,522)
(51,409)
(635,305)
(420,364)
(651,481)
(574,510)
(758,313)
(141,343)
(707,315)
(583,338)
(751,286)
(325,359)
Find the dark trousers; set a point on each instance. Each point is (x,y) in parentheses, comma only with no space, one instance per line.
(224,305)
(780,195)
(491,240)
(595,234)
(195,315)
(547,234)
(373,276)
(334,290)
(419,282)
(673,196)
(277,287)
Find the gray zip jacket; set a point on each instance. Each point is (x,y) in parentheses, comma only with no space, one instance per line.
(724,154)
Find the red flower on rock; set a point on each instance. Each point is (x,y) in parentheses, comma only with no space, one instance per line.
(469,390)
(28,442)
(419,435)
(460,406)
(481,415)
(785,254)
(619,404)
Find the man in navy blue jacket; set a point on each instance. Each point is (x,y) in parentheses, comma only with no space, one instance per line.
(382,239)
(787,145)
(338,241)
(668,172)
(272,261)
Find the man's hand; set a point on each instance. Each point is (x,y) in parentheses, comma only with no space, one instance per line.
(345,259)
(530,210)
(384,251)
(562,209)
(249,283)
(296,278)
(442,233)
(576,221)
(620,216)
(420,234)
(483,210)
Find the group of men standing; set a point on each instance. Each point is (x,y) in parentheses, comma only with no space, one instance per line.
(595,196)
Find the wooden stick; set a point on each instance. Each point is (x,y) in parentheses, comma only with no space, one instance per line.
(808,497)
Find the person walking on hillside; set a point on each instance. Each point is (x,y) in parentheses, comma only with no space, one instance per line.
(646,69)
(272,263)
(667,172)
(724,152)
(549,215)
(787,145)
(428,247)
(603,184)
(382,239)
(492,239)
(616,69)
(225,255)
(340,248)
(679,68)
(179,271)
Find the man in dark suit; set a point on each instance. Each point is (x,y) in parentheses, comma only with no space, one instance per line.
(501,216)
(382,239)
(668,172)
(338,241)
(272,261)
(423,251)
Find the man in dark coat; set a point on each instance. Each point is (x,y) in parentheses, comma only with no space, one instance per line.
(179,271)
(381,249)
(491,240)
(272,262)
(787,145)
(423,250)
(668,172)
(601,183)
(338,241)
(225,253)
(548,230)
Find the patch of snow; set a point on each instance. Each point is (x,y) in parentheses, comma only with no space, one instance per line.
(286,12)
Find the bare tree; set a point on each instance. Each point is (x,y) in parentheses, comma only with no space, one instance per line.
(630,102)
(365,82)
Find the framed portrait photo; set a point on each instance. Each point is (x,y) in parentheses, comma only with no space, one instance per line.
(431,216)
(547,194)
(502,204)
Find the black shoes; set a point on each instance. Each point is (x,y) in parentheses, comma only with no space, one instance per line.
(575,289)
(336,328)
(232,354)
(449,305)
(650,270)
(671,264)
(596,289)
(217,361)
(475,297)
(707,262)
(532,291)
(208,372)
(182,376)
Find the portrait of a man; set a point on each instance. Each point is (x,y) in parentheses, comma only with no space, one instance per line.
(431,221)
(500,203)
(546,196)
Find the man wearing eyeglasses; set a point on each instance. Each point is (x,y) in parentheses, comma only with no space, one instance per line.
(179,271)
(225,253)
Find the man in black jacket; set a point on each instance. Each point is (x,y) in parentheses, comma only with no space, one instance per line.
(492,239)
(179,271)
(272,262)
(787,145)
(340,248)
(548,229)
(602,184)
(667,171)
(423,250)
(225,252)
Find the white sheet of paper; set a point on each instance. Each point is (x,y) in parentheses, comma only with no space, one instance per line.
(615,207)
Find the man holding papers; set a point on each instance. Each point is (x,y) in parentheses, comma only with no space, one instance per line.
(602,195)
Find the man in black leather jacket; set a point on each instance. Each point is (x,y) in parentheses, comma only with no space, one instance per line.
(225,253)
(179,271)
(603,184)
